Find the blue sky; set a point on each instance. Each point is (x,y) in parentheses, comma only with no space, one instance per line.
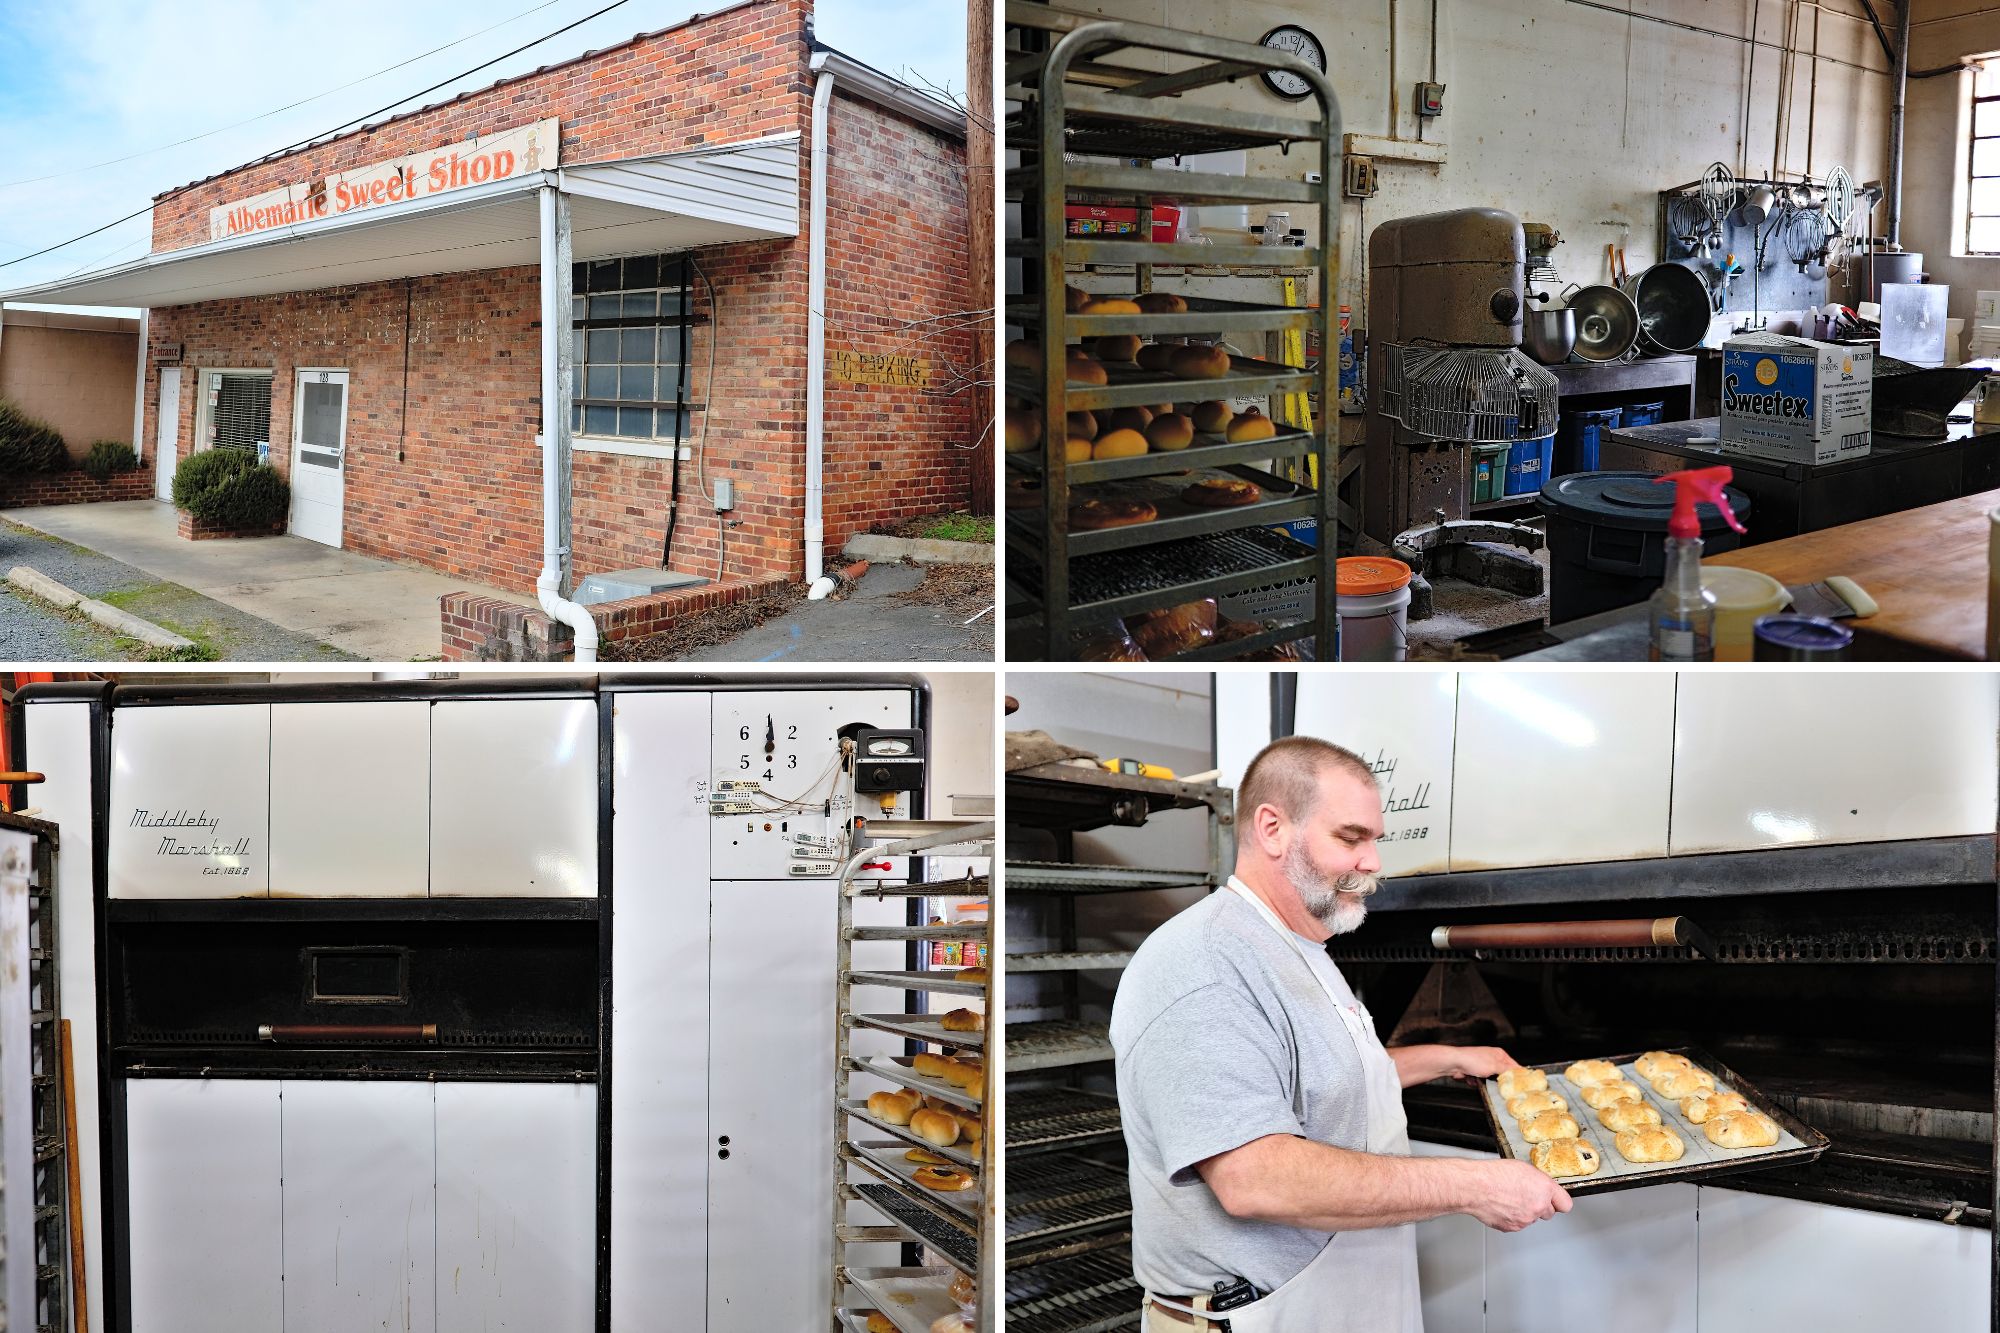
(83,81)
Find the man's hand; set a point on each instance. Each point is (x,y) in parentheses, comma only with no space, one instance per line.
(1481,1061)
(1515,1195)
(1421,1064)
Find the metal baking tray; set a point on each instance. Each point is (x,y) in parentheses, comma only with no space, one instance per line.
(950,1241)
(1797,1141)
(964,1154)
(923,1027)
(888,1158)
(897,1069)
(914,1298)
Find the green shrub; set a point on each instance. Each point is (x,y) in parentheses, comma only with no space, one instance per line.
(229,488)
(28,445)
(109,456)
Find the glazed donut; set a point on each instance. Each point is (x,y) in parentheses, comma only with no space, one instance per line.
(1222,493)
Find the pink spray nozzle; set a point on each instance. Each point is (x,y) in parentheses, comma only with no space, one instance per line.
(1698,486)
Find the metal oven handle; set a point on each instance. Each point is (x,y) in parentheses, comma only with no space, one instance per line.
(312,1032)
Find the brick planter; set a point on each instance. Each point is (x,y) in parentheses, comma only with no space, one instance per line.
(74,488)
(486,629)
(199,530)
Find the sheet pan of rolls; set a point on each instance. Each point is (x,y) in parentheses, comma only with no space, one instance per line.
(1631,1120)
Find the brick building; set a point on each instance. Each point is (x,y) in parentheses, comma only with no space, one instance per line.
(369,311)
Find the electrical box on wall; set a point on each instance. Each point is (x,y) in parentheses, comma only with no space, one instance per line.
(1358,177)
(1430,99)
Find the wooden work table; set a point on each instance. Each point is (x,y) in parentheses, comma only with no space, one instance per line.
(1926,568)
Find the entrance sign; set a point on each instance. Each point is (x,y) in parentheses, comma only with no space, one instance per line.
(477,161)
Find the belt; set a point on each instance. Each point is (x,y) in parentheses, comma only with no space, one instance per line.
(1182,1316)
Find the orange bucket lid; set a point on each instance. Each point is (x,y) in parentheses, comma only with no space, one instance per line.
(1367,575)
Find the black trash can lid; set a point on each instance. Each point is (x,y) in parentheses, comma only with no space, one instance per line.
(1629,500)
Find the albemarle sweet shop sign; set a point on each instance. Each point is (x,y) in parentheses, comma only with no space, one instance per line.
(478,161)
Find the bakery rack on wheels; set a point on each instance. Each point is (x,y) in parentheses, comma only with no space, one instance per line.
(1069,1208)
(1076,98)
(960,1227)
(34,1139)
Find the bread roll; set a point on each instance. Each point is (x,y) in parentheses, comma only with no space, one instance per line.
(1655,1063)
(1120,444)
(1126,418)
(939,1127)
(1584,1073)
(1650,1143)
(1078,450)
(1080,369)
(972,974)
(1678,1083)
(1116,346)
(1600,1095)
(963,1020)
(1705,1106)
(1213,417)
(1514,1082)
(1023,429)
(894,1107)
(1161,303)
(1197,362)
(1074,299)
(1623,1115)
(1083,425)
(881,1323)
(1252,425)
(1170,432)
(963,1289)
(950,1323)
(1024,355)
(966,1074)
(1157,356)
(1534,1103)
(944,1179)
(1566,1157)
(1109,305)
(1550,1125)
(930,1064)
(1741,1129)
(970,1127)
(925,1157)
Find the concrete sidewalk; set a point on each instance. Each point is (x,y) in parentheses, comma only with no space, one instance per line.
(380,612)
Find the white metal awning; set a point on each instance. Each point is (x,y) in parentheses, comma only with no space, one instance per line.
(673,201)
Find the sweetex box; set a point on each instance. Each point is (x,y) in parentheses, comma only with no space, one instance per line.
(1795,400)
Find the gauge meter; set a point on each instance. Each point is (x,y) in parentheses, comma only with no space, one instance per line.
(886,761)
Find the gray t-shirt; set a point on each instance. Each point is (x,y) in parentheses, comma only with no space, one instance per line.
(1211,1057)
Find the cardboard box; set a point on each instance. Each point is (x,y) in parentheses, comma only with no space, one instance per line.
(1112,221)
(1795,400)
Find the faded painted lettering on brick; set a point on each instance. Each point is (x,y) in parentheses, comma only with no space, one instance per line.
(475,161)
(906,372)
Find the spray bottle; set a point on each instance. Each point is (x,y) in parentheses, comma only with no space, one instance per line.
(1681,615)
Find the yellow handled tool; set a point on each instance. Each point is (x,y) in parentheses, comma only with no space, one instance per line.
(1137,768)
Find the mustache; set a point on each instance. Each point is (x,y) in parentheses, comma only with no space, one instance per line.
(1356,883)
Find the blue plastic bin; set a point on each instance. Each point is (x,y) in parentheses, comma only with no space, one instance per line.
(1528,464)
(1578,435)
(1643,414)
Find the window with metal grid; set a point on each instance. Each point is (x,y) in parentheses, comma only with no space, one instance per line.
(240,416)
(630,319)
(1982,220)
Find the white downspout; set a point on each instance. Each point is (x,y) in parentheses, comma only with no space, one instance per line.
(554,439)
(139,392)
(815,525)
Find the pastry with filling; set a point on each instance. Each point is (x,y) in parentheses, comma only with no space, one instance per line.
(1550,1125)
(1655,1063)
(944,1179)
(1705,1106)
(1566,1157)
(1741,1129)
(1629,1115)
(1650,1143)
(1534,1103)
(1584,1073)
(1679,1083)
(1600,1095)
(1514,1082)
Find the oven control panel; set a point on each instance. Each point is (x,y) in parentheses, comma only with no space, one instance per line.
(780,799)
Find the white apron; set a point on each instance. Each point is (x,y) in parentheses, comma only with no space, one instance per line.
(1362,1281)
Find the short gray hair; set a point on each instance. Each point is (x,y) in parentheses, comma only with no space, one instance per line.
(1285,775)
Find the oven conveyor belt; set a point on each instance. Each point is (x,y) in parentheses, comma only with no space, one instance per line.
(1057,1194)
(956,1244)
(1063,877)
(1051,1118)
(1081,1293)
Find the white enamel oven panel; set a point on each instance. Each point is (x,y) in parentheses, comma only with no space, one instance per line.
(1451,1259)
(350,799)
(189,810)
(205,1204)
(787,742)
(661,1149)
(514,798)
(1765,759)
(1556,767)
(1402,723)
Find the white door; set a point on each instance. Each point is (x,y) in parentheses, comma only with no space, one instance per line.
(167,436)
(319,449)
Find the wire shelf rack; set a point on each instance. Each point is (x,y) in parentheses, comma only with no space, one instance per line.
(1083,1293)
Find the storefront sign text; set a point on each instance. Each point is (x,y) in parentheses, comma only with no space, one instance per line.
(902,372)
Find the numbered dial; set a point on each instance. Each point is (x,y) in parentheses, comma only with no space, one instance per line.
(1293,41)
(768,753)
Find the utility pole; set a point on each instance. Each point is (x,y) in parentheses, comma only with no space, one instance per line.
(979,244)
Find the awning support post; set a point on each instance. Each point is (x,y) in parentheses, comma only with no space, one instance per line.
(558,375)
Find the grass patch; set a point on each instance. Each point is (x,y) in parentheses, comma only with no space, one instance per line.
(958,526)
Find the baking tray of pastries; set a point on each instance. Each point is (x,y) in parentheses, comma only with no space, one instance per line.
(894,1159)
(1641,1119)
(913,1298)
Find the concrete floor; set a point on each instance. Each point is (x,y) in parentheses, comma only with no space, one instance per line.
(380,612)
(873,624)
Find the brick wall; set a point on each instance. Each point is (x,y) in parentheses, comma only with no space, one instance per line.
(75,488)
(444,392)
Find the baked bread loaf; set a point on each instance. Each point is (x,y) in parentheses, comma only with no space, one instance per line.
(1126,418)
(881,1323)
(1170,431)
(1222,493)
(1090,515)
(939,1127)
(1023,429)
(1655,1063)
(1584,1073)
(1119,444)
(1213,417)
(1705,1106)
(1624,1115)
(944,1179)
(1650,1143)
(1024,355)
(963,1020)
(894,1107)
(1157,356)
(1109,305)
(1252,425)
(1115,346)
(970,1127)
(1534,1103)
(1566,1157)
(1077,449)
(1161,303)
(967,1074)
(925,1157)
(930,1064)
(1081,369)
(976,975)
(1550,1125)
(1083,425)
(1514,1082)
(1678,1083)
(1194,361)
(1174,629)
(1600,1095)
(1741,1129)
(1075,299)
